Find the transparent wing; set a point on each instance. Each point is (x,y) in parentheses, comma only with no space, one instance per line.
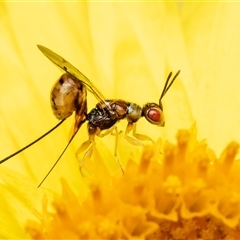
(69,68)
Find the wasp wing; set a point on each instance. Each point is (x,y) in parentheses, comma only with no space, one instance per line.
(69,68)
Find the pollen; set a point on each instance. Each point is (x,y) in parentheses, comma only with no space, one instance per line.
(175,191)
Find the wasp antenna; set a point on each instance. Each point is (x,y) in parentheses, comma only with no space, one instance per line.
(29,145)
(167,86)
(174,78)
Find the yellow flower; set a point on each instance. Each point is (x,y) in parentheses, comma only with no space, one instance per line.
(189,194)
(127,50)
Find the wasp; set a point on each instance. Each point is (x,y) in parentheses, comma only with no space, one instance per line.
(69,95)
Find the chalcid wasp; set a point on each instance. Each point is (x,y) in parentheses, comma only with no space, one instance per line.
(69,95)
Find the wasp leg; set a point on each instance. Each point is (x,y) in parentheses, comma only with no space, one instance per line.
(139,137)
(131,139)
(113,131)
(86,145)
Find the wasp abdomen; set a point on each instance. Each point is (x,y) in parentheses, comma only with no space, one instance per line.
(66,95)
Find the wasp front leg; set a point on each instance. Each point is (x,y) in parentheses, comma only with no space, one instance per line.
(139,137)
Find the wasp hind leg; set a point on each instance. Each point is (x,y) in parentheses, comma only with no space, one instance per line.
(137,137)
(113,130)
(87,145)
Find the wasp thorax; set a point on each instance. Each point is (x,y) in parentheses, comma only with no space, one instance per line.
(66,96)
(154,114)
(134,112)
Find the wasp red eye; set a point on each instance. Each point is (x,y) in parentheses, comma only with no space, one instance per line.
(154,115)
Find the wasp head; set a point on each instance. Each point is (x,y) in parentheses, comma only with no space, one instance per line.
(154,112)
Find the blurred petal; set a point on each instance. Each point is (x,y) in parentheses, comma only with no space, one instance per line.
(165,196)
(211,40)
(19,200)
